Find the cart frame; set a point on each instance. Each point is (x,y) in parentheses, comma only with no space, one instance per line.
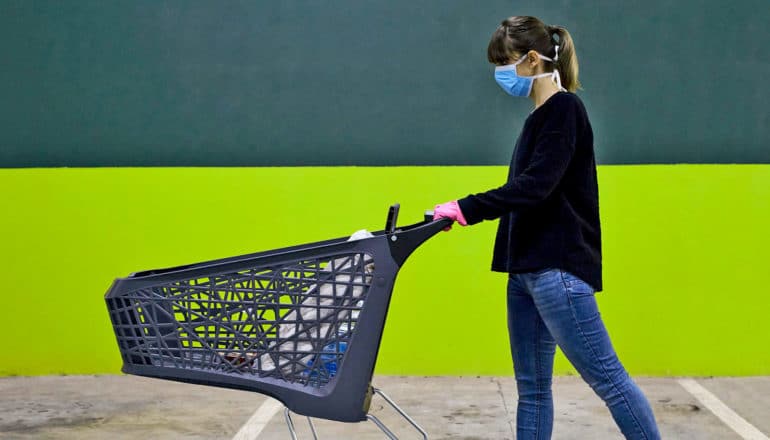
(345,397)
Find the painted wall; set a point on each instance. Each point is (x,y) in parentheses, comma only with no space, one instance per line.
(397,82)
(685,253)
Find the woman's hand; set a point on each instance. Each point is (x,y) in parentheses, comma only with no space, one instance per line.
(450,210)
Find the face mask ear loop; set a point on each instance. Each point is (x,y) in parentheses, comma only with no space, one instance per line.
(556,76)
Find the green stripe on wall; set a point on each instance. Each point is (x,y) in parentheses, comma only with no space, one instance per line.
(685,254)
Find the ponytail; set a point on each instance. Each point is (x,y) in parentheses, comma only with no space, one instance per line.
(567,62)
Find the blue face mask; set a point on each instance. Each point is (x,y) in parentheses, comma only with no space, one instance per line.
(516,85)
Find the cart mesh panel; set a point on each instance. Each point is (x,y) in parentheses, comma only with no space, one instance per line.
(291,322)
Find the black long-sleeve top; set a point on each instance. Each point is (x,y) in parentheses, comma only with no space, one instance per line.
(549,206)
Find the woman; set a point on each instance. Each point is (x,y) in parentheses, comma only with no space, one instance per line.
(548,239)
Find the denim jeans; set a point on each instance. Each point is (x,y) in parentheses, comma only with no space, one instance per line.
(550,307)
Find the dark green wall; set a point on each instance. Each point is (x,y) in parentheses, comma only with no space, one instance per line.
(183,82)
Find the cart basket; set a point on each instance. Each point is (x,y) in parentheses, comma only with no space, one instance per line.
(301,324)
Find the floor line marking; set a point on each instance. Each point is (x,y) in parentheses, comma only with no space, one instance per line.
(722,411)
(261,417)
(505,406)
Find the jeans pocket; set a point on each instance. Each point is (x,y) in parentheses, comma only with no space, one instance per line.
(575,284)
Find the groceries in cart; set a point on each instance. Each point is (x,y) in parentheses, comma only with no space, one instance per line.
(313,318)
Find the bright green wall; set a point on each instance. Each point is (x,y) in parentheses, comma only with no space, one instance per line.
(685,251)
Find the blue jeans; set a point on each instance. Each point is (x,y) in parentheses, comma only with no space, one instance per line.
(550,307)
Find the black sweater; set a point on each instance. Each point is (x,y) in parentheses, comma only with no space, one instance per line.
(549,207)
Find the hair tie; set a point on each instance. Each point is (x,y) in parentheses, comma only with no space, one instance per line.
(556,54)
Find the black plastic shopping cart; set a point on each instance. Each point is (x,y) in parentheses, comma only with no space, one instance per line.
(301,324)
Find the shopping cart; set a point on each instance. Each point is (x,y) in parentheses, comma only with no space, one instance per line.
(301,324)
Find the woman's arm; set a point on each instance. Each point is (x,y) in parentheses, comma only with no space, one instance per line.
(551,155)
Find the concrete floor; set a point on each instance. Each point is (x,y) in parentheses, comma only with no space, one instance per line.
(471,408)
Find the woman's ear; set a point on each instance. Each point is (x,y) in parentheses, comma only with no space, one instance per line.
(533,59)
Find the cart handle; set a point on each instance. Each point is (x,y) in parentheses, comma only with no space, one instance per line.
(390,223)
(404,240)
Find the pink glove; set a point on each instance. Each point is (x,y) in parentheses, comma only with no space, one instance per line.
(450,210)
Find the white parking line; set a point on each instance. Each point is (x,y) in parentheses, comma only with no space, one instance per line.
(727,415)
(254,426)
